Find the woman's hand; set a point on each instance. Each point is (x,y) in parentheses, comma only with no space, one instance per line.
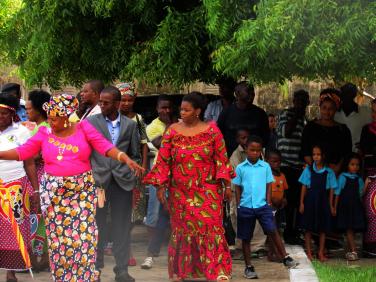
(228,194)
(35,201)
(161,195)
(135,167)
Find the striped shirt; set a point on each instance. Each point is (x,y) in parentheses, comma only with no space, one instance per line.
(290,147)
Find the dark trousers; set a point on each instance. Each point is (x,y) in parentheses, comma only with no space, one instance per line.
(293,200)
(158,237)
(119,204)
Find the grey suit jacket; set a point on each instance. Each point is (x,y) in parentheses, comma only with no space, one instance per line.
(104,168)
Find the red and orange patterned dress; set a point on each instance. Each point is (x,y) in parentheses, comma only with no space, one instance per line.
(192,168)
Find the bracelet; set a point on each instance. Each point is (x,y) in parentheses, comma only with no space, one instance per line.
(36,192)
(119,155)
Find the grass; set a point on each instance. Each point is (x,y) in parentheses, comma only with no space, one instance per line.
(343,273)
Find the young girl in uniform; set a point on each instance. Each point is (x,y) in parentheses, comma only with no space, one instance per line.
(316,201)
(348,203)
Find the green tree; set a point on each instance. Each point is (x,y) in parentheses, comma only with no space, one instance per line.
(165,41)
(177,42)
(311,39)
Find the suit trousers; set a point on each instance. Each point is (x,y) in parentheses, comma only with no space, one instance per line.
(119,204)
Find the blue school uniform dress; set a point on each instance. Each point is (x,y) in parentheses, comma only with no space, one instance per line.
(317,216)
(350,213)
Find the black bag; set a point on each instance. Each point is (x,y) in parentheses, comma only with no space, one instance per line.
(227,225)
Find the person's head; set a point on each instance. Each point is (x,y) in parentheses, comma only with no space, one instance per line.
(318,155)
(109,100)
(58,110)
(192,107)
(8,105)
(274,157)
(373,105)
(244,93)
(300,101)
(226,88)
(272,121)
(254,148)
(13,89)
(91,91)
(128,97)
(164,107)
(242,135)
(352,163)
(348,94)
(34,105)
(329,103)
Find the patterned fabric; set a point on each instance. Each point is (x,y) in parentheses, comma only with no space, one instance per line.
(10,255)
(62,106)
(369,239)
(126,88)
(335,98)
(69,203)
(192,167)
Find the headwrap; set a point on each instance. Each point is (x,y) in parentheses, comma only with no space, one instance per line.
(16,118)
(126,88)
(62,105)
(331,96)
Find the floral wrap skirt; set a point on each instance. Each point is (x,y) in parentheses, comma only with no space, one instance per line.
(69,205)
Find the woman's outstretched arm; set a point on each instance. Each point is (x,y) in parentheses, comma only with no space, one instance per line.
(11,155)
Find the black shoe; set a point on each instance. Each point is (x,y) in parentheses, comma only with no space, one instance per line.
(289,262)
(250,273)
(124,277)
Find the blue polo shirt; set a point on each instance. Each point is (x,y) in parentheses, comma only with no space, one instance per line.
(253,178)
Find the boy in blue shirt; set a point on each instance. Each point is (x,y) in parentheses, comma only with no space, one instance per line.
(253,198)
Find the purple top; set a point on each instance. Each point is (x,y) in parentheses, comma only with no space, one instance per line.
(66,156)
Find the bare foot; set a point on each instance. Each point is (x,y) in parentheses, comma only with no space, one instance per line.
(322,257)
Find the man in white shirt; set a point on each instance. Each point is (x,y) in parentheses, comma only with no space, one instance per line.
(90,97)
(351,114)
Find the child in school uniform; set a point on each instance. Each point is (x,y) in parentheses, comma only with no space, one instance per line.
(278,199)
(348,203)
(316,201)
(253,179)
(237,157)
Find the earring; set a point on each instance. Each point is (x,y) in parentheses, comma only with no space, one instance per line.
(65,124)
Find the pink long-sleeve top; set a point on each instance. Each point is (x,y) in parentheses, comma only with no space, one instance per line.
(66,156)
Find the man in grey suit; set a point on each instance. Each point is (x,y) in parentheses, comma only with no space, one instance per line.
(116,178)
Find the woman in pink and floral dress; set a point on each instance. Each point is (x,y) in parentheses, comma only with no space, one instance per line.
(68,195)
(193,169)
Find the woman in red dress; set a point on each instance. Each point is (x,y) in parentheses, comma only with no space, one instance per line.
(193,170)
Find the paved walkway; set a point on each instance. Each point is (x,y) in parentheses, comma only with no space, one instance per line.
(268,272)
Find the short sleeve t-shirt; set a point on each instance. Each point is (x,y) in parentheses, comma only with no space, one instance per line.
(12,137)
(278,187)
(253,178)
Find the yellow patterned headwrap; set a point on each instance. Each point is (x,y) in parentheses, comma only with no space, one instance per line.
(62,105)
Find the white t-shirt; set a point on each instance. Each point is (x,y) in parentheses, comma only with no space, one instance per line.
(12,137)
(355,122)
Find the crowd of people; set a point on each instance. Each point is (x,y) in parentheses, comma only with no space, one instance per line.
(74,172)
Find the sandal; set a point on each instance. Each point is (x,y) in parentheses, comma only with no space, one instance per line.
(223,278)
